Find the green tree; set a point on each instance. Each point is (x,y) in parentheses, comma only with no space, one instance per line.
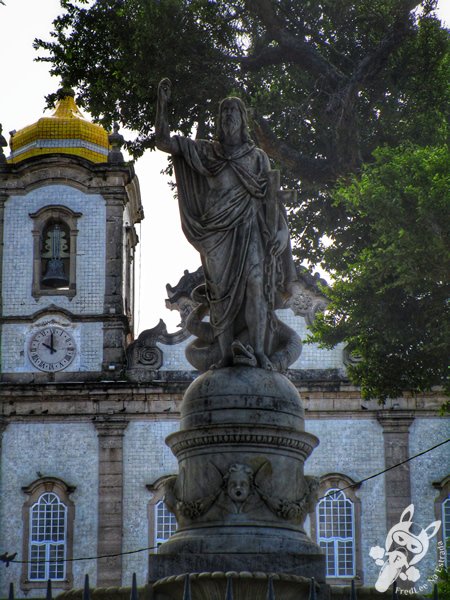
(390,298)
(328,81)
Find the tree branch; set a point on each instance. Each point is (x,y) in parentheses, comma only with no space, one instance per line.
(342,102)
(313,170)
(369,67)
(273,55)
(344,137)
(296,49)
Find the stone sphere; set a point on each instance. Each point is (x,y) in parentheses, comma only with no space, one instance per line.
(240,394)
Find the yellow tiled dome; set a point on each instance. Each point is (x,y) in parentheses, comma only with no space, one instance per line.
(65,131)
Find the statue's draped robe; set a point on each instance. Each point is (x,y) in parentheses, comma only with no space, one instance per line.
(227,225)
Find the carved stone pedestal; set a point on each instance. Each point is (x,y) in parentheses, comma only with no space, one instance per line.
(241,496)
(245,586)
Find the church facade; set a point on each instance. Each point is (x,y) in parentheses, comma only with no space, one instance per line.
(85,408)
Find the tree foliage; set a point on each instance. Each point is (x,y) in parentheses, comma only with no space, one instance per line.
(328,81)
(390,298)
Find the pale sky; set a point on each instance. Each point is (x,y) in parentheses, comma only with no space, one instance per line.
(24,84)
(164,251)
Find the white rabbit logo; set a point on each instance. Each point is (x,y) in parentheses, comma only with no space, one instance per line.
(406,544)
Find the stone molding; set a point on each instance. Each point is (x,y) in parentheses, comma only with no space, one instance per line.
(185,440)
(246,584)
(110,427)
(86,400)
(89,177)
(3,426)
(53,308)
(393,421)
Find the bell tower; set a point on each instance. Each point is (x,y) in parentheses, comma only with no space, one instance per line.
(68,209)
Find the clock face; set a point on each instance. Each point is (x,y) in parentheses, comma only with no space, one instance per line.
(52,349)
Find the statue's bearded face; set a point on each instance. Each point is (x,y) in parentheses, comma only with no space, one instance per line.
(230,118)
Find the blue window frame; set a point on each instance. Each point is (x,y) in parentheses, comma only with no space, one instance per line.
(336,533)
(165,523)
(47,542)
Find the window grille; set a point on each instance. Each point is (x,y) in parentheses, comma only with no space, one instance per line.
(336,533)
(446,529)
(48,525)
(166,523)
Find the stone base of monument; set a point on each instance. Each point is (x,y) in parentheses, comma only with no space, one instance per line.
(244,585)
(241,496)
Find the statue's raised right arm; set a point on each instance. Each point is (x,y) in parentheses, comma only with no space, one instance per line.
(162,130)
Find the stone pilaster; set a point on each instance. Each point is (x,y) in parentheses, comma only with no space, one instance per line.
(114,253)
(115,329)
(110,501)
(3,425)
(3,198)
(395,426)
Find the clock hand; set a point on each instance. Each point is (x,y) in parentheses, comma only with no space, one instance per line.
(49,347)
(52,349)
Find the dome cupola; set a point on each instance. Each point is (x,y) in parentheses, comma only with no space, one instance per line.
(66,131)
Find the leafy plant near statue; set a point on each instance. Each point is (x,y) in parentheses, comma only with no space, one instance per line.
(389,299)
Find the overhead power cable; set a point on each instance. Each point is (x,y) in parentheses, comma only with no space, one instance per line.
(358,483)
(10,558)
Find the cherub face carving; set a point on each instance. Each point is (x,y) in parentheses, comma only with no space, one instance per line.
(239,481)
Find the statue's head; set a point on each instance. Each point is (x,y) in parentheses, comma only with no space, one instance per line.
(233,114)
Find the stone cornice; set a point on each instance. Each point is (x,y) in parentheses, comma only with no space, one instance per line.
(110,426)
(52,308)
(395,421)
(86,399)
(48,483)
(301,442)
(20,178)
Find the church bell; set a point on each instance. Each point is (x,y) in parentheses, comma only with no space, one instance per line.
(55,252)
(55,276)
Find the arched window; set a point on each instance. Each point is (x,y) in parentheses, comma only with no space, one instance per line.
(165,523)
(48,539)
(55,256)
(54,251)
(442,513)
(336,526)
(48,517)
(336,533)
(446,529)
(162,523)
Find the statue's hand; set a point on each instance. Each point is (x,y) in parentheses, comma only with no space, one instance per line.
(279,243)
(165,90)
